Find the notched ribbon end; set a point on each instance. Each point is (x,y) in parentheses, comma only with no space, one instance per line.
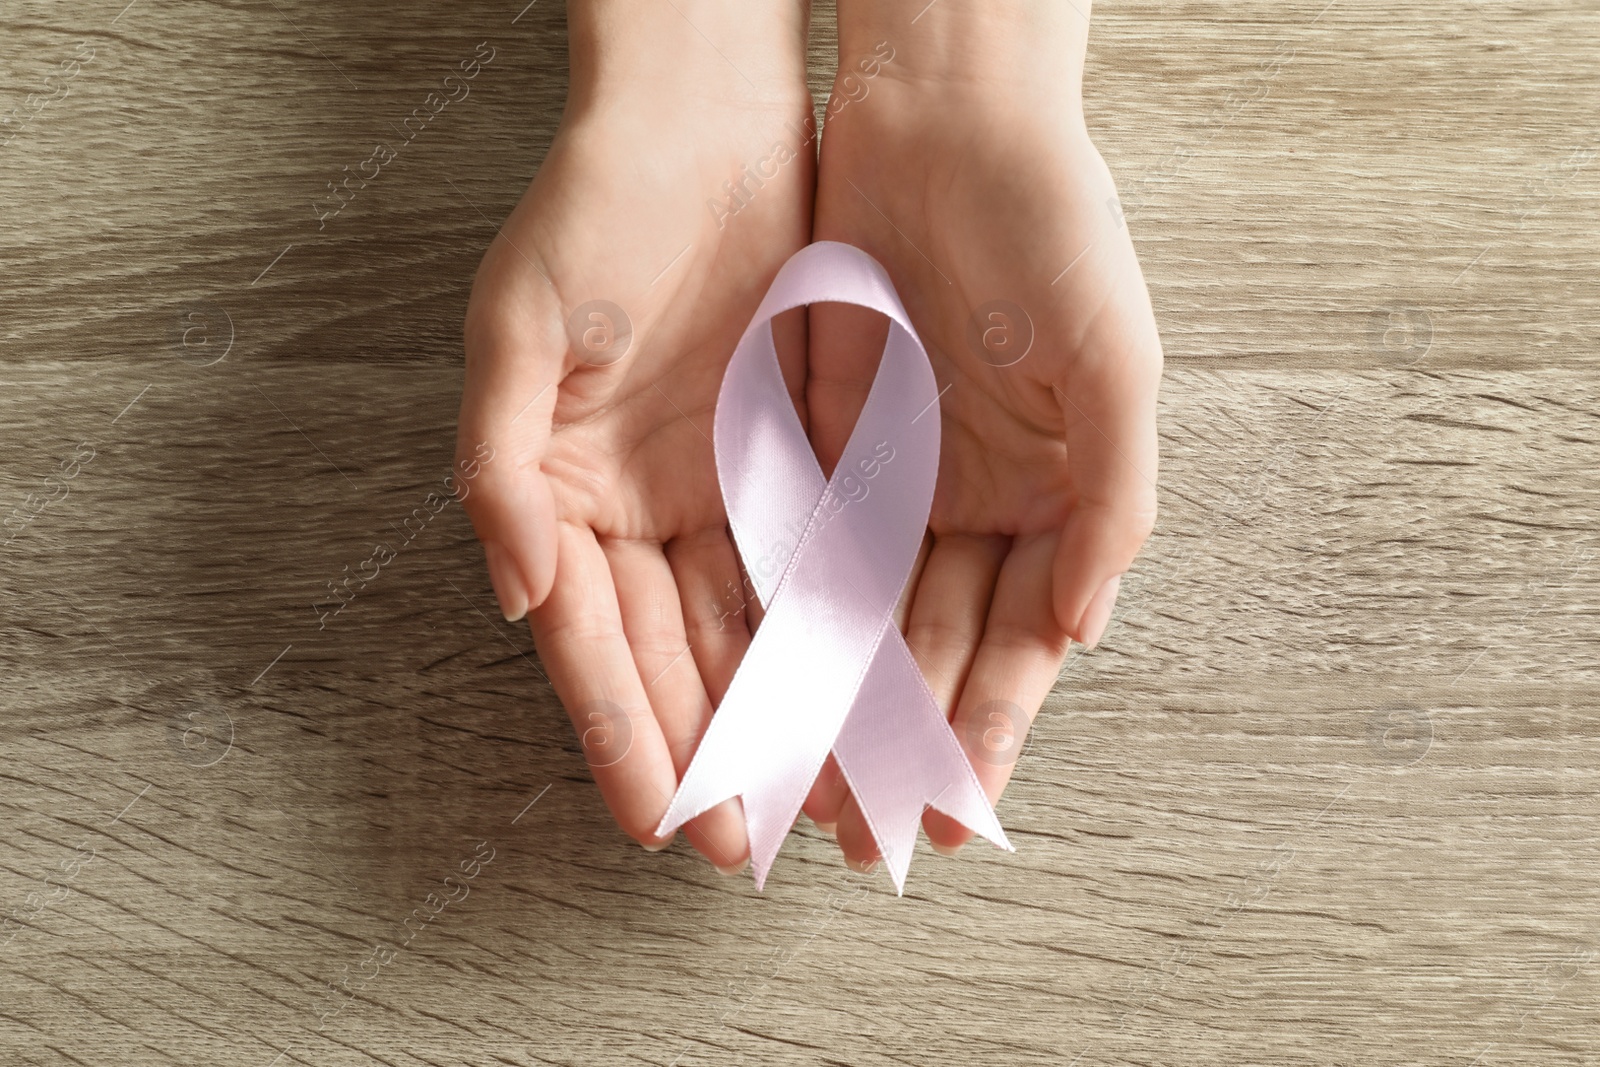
(683,809)
(974,811)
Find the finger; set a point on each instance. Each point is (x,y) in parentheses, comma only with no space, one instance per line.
(826,799)
(1108,402)
(949,608)
(515,347)
(579,633)
(855,837)
(715,598)
(653,621)
(1017,663)
(753,610)
(902,607)
(948,611)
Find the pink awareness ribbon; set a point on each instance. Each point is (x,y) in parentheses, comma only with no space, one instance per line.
(828,668)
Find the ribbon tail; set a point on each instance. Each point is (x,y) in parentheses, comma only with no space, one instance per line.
(773,731)
(900,756)
(769,813)
(771,790)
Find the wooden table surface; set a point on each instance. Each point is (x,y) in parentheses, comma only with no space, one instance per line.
(1326,794)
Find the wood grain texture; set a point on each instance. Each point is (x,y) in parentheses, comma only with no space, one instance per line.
(1327,793)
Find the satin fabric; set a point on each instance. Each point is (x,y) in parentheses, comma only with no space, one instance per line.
(828,559)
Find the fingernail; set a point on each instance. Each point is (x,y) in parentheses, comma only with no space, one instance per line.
(860,866)
(1098,613)
(506,577)
(730,872)
(945,850)
(829,828)
(657,848)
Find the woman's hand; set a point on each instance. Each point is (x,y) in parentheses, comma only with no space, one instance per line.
(596,336)
(966,170)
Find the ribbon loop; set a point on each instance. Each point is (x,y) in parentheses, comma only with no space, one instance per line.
(828,558)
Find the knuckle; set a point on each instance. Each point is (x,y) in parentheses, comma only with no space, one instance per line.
(485,498)
(940,636)
(1030,649)
(639,825)
(479,504)
(1141,522)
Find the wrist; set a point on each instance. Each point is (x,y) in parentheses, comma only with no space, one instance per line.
(741,54)
(994,52)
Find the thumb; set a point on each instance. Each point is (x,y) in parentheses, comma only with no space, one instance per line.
(515,354)
(1108,405)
